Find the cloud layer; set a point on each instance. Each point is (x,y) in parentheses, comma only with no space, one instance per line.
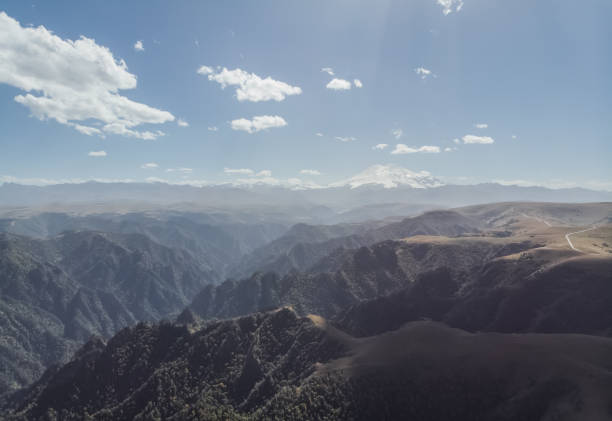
(250,87)
(72,81)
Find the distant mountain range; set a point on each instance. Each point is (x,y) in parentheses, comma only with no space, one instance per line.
(374,186)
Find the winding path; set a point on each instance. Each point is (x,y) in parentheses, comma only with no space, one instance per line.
(567,236)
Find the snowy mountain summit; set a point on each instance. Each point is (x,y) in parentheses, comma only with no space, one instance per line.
(391,176)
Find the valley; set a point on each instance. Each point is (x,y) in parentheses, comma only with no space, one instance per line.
(361,292)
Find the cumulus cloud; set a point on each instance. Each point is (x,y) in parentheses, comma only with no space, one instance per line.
(182,123)
(449,5)
(213,129)
(181,170)
(261,122)
(345,139)
(397,133)
(513,136)
(250,87)
(449,149)
(401,149)
(310,172)
(469,138)
(357,83)
(319,134)
(72,81)
(423,72)
(328,70)
(339,84)
(380,146)
(138,46)
(457,141)
(481,125)
(149,165)
(264,173)
(243,171)
(97,153)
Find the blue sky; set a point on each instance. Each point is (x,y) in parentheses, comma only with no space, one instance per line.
(537,74)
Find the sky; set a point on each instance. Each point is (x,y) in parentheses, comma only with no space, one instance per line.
(306,92)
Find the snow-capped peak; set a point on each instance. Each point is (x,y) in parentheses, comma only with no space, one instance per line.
(391,176)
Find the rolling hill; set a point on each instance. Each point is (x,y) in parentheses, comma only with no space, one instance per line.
(277,365)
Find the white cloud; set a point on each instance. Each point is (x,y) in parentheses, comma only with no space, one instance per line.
(205,70)
(380,146)
(244,171)
(261,122)
(155,180)
(470,138)
(339,85)
(120,129)
(449,5)
(87,130)
(250,87)
(401,149)
(310,172)
(457,141)
(345,139)
(319,134)
(397,133)
(213,129)
(328,70)
(181,170)
(149,165)
(248,171)
(357,83)
(138,46)
(449,149)
(258,180)
(423,72)
(97,153)
(481,125)
(72,81)
(513,136)
(182,123)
